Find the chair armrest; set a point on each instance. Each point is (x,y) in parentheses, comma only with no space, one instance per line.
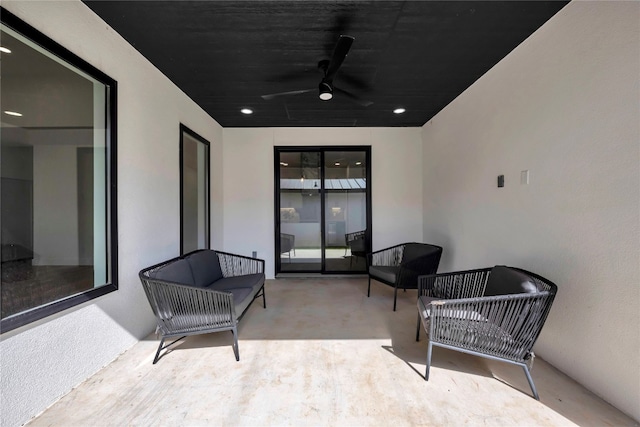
(238,265)
(391,256)
(183,308)
(505,324)
(454,285)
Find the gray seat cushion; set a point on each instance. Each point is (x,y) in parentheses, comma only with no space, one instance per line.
(504,281)
(244,289)
(384,273)
(205,267)
(177,271)
(245,281)
(242,297)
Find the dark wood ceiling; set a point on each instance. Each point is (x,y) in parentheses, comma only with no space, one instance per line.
(418,55)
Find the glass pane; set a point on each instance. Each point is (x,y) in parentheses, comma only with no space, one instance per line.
(195,192)
(300,212)
(54,178)
(345,211)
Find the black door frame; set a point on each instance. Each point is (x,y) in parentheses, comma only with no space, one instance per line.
(368,191)
(184,130)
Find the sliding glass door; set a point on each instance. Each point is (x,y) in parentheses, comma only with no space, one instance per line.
(322,209)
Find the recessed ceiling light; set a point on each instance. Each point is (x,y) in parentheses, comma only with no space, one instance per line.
(13,113)
(399,110)
(358,163)
(246,111)
(4,49)
(337,163)
(284,164)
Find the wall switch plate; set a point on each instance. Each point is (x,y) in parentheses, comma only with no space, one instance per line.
(500,180)
(254,254)
(524,177)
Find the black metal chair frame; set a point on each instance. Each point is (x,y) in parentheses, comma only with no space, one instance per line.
(503,327)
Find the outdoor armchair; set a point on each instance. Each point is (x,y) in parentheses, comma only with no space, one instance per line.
(399,266)
(496,313)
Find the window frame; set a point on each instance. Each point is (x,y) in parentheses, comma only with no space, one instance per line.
(37,313)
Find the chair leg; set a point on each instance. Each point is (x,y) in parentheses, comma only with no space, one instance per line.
(426,372)
(162,347)
(264,298)
(155,359)
(418,329)
(369,287)
(531,384)
(236,350)
(395,297)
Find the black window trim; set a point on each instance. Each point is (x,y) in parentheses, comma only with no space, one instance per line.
(21,319)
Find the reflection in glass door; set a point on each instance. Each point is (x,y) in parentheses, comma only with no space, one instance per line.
(322,209)
(300,212)
(345,191)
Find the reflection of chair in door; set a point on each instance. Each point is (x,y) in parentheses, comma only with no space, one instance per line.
(356,241)
(287,244)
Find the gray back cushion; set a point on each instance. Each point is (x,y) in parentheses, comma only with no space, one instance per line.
(504,281)
(416,250)
(177,271)
(205,267)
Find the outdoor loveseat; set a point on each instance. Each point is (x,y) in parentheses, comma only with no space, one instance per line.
(201,292)
(496,313)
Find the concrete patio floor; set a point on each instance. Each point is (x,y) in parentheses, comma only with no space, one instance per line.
(321,354)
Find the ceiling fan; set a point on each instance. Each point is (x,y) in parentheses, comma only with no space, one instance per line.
(329,68)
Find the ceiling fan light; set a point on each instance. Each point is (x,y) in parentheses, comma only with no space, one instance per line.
(326,91)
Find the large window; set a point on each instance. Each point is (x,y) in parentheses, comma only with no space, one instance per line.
(57,177)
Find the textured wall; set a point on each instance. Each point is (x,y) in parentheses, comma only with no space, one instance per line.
(249,190)
(565,106)
(43,361)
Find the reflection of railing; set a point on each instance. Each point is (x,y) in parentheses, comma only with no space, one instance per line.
(329,184)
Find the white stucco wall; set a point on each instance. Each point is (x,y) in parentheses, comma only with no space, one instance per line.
(565,106)
(396,157)
(43,361)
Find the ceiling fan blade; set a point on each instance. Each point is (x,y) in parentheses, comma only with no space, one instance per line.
(354,98)
(341,25)
(292,92)
(354,82)
(339,54)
